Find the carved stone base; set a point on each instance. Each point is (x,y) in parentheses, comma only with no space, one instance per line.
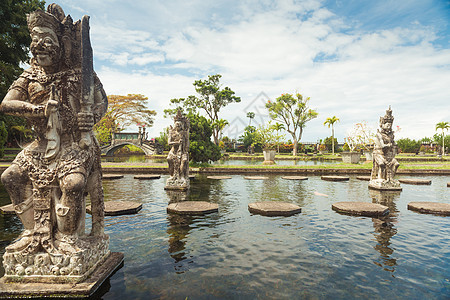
(384,185)
(46,267)
(180,184)
(82,289)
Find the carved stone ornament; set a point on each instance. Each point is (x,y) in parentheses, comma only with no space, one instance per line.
(384,163)
(62,98)
(178,157)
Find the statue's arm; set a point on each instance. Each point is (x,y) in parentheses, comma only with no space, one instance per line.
(100,100)
(15,103)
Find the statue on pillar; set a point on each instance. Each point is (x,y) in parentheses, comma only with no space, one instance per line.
(178,157)
(384,163)
(62,98)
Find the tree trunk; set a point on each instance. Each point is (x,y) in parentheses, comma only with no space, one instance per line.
(332,138)
(294,151)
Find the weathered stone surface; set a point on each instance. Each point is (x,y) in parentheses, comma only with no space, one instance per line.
(295,177)
(178,157)
(366,178)
(415,181)
(335,178)
(84,289)
(219,177)
(147,177)
(430,208)
(256,177)
(8,209)
(111,176)
(360,208)
(62,98)
(272,208)
(384,163)
(192,208)
(117,208)
(448,184)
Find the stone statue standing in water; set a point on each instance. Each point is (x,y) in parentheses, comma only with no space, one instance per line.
(384,163)
(62,98)
(178,157)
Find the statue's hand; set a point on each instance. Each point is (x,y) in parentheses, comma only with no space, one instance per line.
(85,121)
(51,107)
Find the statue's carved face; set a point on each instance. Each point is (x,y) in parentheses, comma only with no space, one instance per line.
(45,46)
(386,126)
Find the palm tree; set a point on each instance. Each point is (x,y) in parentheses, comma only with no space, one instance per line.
(330,122)
(443,126)
(278,126)
(220,125)
(250,115)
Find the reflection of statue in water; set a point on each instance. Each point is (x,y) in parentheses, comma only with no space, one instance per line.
(178,157)
(384,163)
(385,228)
(62,98)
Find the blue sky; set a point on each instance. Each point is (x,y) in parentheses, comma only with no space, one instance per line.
(353,58)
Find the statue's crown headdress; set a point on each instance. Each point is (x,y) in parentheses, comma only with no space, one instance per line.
(52,18)
(388,117)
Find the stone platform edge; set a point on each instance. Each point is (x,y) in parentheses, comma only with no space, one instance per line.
(84,289)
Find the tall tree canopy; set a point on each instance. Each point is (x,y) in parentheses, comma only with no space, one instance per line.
(201,149)
(293,112)
(443,126)
(330,122)
(211,98)
(14,50)
(122,112)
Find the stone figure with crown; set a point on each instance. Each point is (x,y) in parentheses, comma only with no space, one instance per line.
(62,98)
(384,163)
(178,157)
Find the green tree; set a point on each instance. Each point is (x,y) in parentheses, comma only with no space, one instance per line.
(277,127)
(443,126)
(14,49)
(407,145)
(293,112)
(211,98)
(3,138)
(248,138)
(250,115)
(220,125)
(266,136)
(201,148)
(330,141)
(123,111)
(330,122)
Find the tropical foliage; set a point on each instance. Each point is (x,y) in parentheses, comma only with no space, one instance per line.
(201,148)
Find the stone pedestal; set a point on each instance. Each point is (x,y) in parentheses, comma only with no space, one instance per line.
(385,185)
(13,290)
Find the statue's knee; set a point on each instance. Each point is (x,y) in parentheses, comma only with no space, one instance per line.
(12,176)
(73,183)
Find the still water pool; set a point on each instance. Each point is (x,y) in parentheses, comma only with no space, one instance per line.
(232,254)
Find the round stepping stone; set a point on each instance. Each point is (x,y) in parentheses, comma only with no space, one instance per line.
(192,208)
(295,177)
(272,208)
(366,178)
(117,208)
(361,209)
(8,209)
(111,176)
(335,178)
(430,208)
(256,177)
(147,177)
(218,177)
(415,181)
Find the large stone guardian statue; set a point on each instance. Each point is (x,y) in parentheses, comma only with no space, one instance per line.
(62,98)
(384,163)
(178,157)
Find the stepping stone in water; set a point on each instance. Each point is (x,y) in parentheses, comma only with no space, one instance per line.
(256,177)
(430,208)
(111,176)
(218,177)
(335,178)
(273,208)
(8,209)
(366,178)
(192,208)
(295,177)
(147,177)
(415,181)
(361,209)
(118,208)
